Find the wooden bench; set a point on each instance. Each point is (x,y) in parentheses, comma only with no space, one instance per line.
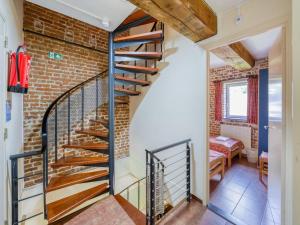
(216,164)
(263,165)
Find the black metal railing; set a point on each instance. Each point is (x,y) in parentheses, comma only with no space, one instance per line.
(168,172)
(70,111)
(144,47)
(135,193)
(15,192)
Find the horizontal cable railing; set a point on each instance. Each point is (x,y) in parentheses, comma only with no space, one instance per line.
(168,179)
(15,192)
(135,193)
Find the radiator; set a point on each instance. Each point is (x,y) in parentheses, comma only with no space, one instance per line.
(239,132)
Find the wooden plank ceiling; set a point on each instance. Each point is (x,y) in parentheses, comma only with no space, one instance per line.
(192,18)
(235,55)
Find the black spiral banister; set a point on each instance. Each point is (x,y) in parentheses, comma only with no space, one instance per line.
(54,108)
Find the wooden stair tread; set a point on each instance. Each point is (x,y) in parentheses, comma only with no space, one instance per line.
(154,35)
(132,80)
(65,181)
(137,69)
(87,145)
(79,161)
(96,133)
(126,91)
(61,207)
(139,14)
(136,215)
(121,101)
(104,122)
(142,55)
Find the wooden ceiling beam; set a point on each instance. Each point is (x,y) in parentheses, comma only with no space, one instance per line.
(192,18)
(236,55)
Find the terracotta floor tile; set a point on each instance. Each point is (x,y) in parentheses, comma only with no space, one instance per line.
(247,216)
(242,187)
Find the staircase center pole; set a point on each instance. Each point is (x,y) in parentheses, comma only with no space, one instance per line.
(111,112)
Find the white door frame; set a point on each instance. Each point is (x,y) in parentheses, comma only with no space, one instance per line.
(286,182)
(3,81)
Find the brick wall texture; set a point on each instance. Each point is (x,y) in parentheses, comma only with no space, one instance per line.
(84,56)
(226,73)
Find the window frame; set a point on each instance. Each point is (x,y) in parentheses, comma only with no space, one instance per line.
(226,87)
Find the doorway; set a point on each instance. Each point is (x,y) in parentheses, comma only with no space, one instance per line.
(245,113)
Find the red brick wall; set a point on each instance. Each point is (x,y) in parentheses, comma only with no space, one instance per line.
(50,78)
(225,73)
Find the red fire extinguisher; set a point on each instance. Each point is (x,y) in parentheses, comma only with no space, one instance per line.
(19,71)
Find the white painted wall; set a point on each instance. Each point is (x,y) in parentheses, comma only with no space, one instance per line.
(12,12)
(173,108)
(296,110)
(257,17)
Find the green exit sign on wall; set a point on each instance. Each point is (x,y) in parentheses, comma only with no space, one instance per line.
(54,55)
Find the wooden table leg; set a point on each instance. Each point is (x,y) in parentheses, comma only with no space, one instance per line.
(229,161)
(260,169)
(223,169)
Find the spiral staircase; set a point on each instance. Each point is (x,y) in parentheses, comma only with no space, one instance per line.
(77,140)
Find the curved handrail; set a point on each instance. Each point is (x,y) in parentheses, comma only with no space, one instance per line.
(136,182)
(61,97)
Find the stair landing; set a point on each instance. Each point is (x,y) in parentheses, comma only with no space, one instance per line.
(111,210)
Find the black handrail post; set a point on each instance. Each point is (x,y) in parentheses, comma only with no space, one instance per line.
(14,191)
(97,97)
(69,118)
(188,172)
(111,112)
(45,179)
(152,190)
(55,133)
(82,107)
(45,164)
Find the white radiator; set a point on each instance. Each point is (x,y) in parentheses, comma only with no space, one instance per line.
(239,132)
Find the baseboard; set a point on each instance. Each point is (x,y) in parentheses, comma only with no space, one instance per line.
(224,215)
(197,199)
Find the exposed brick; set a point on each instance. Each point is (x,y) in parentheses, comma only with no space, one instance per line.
(50,78)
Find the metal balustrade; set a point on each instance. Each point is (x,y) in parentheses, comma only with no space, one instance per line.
(168,172)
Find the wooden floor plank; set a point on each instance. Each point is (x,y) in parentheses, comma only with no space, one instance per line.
(136,215)
(65,181)
(79,161)
(61,207)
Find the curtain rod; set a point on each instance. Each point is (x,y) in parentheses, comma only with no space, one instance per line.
(67,42)
(253,75)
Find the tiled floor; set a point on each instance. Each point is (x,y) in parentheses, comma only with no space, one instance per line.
(193,214)
(242,195)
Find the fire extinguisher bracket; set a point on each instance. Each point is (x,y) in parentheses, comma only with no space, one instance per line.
(19,66)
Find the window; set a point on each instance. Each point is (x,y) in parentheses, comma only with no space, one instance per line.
(236,100)
(275,99)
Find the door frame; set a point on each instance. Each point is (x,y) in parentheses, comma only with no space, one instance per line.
(3,72)
(286,182)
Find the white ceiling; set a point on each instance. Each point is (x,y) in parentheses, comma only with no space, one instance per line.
(105,14)
(224,5)
(258,46)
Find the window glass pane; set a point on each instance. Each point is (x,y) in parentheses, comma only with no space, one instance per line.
(275,99)
(237,100)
